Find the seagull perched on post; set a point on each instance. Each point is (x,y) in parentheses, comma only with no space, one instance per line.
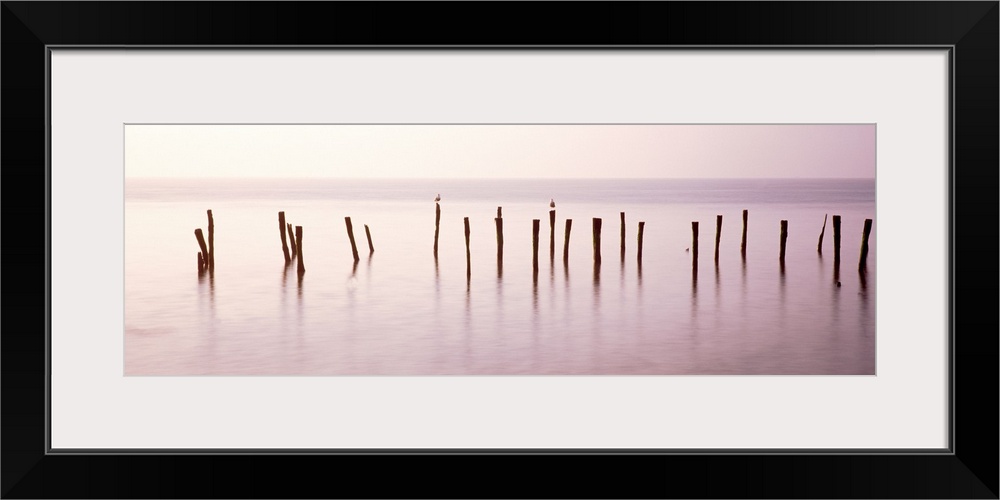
(552,202)
(438,197)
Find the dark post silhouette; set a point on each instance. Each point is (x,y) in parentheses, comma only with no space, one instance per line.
(784,236)
(468,256)
(552,233)
(291,239)
(499,222)
(863,262)
(623,236)
(743,243)
(298,243)
(694,245)
(534,243)
(499,212)
(819,246)
(204,249)
(569,226)
(836,242)
(201,263)
(718,236)
(211,242)
(642,225)
(350,235)
(437,225)
(597,240)
(281,231)
(368,233)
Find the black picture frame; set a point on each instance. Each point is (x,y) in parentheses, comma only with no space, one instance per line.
(970,470)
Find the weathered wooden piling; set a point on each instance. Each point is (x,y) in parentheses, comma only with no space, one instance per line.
(499,223)
(718,236)
(534,243)
(638,253)
(569,226)
(623,236)
(836,241)
(743,241)
(552,234)
(437,225)
(784,236)
(863,262)
(291,239)
(350,235)
(694,245)
(468,255)
(819,246)
(201,263)
(298,243)
(204,248)
(368,234)
(597,240)
(281,232)
(499,212)
(211,242)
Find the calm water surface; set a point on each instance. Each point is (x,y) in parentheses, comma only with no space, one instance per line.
(398,312)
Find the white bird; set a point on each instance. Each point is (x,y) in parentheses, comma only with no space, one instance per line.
(552,202)
(438,198)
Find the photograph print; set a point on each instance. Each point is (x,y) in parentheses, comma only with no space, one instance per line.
(499,250)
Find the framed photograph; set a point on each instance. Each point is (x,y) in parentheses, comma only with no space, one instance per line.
(730,250)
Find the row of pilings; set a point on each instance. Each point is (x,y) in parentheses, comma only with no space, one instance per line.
(291,240)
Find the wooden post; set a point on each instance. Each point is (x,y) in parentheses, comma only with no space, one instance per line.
(291,238)
(368,233)
(863,263)
(468,256)
(211,242)
(623,236)
(437,225)
(298,243)
(819,246)
(201,263)
(552,233)
(281,231)
(836,241)
(534,244)
(569,226)
(499,222)
(784,236)
(694,244)
(201,244)
(597,240)
(718,236)
(350,235)
(499,212)
(642,225)
(743,244)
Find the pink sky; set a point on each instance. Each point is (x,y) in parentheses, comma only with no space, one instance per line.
(500,151)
